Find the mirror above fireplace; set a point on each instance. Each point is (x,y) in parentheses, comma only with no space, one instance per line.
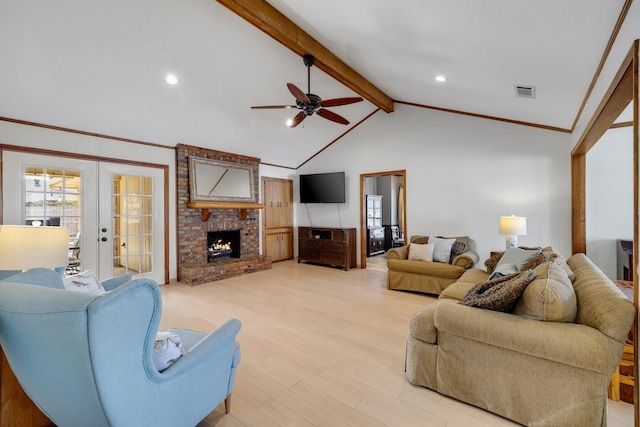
(216,181)
(215,184)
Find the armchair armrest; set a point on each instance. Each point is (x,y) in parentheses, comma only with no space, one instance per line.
(114,282)
(398,253)
(467,259)
(559,342)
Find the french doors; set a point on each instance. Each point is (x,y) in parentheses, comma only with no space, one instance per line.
(114,212)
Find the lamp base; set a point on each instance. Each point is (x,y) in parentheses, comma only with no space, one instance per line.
(512,241)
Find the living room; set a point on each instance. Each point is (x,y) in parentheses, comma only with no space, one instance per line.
(463,171)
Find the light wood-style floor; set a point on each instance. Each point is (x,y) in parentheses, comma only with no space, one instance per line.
(323,347)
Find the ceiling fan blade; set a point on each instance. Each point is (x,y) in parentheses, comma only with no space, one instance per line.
(273,106)
(339,101)
(298,119)
(332,116)
(298,94)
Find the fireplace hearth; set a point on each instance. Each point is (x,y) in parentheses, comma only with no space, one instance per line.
(223,245)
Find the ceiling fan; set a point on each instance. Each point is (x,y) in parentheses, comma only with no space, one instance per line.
(309,103)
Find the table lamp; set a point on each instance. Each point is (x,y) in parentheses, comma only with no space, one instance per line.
(24,247)
(512,227)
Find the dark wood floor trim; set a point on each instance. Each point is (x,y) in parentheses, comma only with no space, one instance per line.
(482,116)
(81,132)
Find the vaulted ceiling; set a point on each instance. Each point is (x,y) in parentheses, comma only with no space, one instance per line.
(100,67)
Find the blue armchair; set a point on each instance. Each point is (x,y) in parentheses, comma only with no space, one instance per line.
(86,360)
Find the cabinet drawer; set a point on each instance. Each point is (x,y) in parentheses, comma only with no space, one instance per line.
(309,254)
(332,246)
(332,258)
(309,244)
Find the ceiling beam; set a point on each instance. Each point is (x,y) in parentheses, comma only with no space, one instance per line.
(268,19)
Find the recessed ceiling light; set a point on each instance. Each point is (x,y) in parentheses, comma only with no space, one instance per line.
(172,79)
(289,122)
(441,78)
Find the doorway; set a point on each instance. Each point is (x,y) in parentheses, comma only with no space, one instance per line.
(113,211)
(391,219)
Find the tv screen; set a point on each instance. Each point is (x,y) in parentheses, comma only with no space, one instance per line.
(322,188)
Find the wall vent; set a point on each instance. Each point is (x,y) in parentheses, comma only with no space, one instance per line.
(525,91)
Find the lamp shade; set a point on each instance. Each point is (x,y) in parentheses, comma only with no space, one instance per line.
(25,247)
(513,225)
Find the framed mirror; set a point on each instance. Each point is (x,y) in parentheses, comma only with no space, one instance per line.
(216,181)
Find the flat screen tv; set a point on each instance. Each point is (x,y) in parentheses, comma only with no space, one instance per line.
(322,188)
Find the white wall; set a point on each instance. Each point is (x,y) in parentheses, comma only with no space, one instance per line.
(609,194)
(463,173)
(36,137)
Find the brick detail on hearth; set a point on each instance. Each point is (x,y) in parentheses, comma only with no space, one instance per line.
(193,267)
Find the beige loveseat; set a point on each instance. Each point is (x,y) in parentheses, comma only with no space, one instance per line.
(526,367)
(427,276)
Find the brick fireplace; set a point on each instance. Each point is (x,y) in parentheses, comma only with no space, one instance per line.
(195,266)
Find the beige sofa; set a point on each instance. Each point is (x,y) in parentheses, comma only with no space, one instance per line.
(427,276)
(535,372)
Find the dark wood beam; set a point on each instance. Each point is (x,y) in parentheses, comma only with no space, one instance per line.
(262,15)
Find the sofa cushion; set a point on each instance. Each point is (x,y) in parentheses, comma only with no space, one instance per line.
(499,294)
(442,250)
(421,252)
(550,297)
(468,280)
(437,269)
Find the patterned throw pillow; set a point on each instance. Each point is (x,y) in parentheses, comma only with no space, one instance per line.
(499,294)
(492,261)
(458,248)
(421,240)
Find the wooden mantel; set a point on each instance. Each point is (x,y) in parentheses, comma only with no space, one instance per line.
(205,206)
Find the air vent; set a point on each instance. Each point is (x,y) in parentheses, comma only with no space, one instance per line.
(525,91)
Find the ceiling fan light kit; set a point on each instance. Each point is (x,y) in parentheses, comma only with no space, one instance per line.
(309,103)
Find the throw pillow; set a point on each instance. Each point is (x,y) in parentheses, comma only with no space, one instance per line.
(421,240)
(499,294)
(517,256)
(458,248)
(442,250)
(544,256)
(84,282)
(550,297)
(167,348)
(421,252)
(492,261)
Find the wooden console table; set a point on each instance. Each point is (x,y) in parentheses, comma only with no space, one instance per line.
(16,408)
(328,246)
